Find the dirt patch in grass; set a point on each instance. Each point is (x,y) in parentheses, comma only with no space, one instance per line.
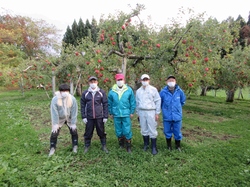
(197,132)
(216,117)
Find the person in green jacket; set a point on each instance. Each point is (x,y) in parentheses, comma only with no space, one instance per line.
(121,105)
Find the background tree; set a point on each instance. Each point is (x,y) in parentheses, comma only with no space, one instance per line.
(79,31)
(23,39)
(199,53)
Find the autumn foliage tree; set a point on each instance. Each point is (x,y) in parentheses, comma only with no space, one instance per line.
(22,40)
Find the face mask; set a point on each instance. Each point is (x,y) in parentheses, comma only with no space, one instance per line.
(93,85)
(120,83)
(144,83)
(64,94)
(171,84)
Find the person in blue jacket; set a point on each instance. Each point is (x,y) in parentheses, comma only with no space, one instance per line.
(121,105)
(172,100)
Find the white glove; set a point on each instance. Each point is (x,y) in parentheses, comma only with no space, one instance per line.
(85,120)
(73,127)
(55,128)
(105,120)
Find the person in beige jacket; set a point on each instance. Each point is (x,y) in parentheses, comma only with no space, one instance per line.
(64,110)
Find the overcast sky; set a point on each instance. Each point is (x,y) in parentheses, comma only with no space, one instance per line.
(62,13)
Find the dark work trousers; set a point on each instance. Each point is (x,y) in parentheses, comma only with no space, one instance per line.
(54,136)
(89,129)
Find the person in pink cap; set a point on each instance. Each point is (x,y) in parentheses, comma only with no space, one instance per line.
(121,105)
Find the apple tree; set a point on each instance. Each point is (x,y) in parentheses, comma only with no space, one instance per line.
(235,71)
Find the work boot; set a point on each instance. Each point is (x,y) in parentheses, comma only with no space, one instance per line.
(154,149)
(128,146)
(75,149)
(146,142)
(52,151)
(86,149)
(121,142)
(169,146)
(104,148)
(178,145)
(87,143)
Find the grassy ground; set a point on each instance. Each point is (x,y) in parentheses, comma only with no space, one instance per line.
(215,148)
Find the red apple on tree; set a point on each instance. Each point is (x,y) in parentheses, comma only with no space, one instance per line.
(158,45)
(76,53)
(87,62)
(184,41)
(99,60)
(206,69)
(194,61)
(123,27)
(206,59)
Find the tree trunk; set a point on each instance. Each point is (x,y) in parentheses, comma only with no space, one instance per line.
(203,91)
(53,83)
(71,84)
(124,66)
(230,95)
(79,90)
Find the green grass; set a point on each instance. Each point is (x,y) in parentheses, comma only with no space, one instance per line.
(215,148)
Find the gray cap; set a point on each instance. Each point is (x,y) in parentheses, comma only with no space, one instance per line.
(92,78)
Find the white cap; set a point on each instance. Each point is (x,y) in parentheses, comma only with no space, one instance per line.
(144,76)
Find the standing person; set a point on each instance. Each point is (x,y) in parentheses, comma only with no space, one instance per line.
(121,104)
(172,100)
(64,110)
(94,111)
(148,108)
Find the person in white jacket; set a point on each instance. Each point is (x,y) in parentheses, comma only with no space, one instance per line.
(64,110)
(148,108)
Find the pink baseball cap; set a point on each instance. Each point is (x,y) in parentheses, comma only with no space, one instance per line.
(119,76)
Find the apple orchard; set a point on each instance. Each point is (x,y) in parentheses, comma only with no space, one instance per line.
(200,54)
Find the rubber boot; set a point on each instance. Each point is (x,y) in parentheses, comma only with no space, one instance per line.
(87,145)
(121,142)
(154,149)
(53,142)
(104,148)
(146,142)
(128,146)
(169,146)
(74,137)
(178,145)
